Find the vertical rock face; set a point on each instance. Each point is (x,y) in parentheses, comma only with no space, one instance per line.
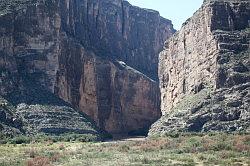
(119,30)
(100,56)
(204,68)
(119,98)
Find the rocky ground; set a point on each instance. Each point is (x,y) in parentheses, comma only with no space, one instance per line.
(222,110)
(37,111)
(10,123)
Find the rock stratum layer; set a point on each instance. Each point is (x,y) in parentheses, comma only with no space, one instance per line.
(99,56)
(204,71)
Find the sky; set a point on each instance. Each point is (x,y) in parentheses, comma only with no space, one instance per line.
(176,10)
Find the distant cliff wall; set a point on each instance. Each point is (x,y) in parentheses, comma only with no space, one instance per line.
(100,56)
(204,70)
(119,30)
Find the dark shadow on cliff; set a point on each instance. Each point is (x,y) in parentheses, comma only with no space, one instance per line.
(44,112)
(30,92)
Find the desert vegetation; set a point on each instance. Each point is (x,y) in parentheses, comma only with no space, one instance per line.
(173,149)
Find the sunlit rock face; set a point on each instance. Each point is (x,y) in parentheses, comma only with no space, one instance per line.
(99,56)
(204,71)
(119,30)
(119,98)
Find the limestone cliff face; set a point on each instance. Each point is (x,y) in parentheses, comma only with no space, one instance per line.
(119,98)
(97,55)
(119,30)
(208,54)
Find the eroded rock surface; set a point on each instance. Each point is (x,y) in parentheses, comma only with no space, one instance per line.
(10,123)
(119,30)
(38,111)
(99,56)
(119,98)
(204,71)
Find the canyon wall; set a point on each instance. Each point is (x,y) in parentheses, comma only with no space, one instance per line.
(99,56)
(119,30)
(116,96)
(204,71)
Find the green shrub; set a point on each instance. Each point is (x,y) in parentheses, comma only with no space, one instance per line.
(20,140)
(68,137)
(222,146)
(173,134)
(3,141)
